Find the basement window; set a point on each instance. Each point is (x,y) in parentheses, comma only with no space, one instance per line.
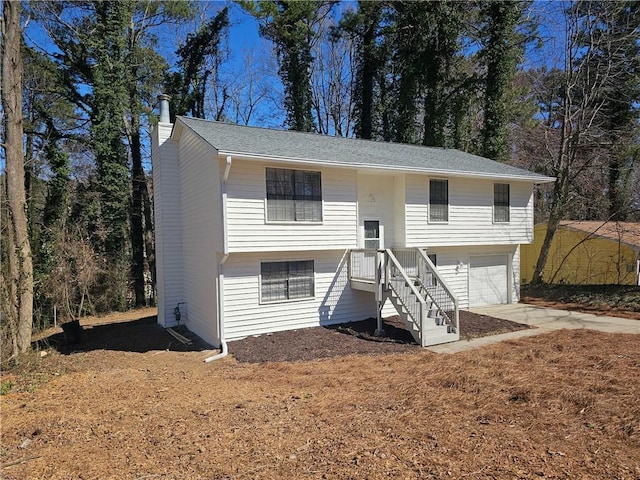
(293,195)
(286,280)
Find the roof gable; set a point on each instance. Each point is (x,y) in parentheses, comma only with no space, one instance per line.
(292,146)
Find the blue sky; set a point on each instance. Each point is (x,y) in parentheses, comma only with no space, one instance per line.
(244,42)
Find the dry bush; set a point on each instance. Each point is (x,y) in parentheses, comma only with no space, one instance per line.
(75,271)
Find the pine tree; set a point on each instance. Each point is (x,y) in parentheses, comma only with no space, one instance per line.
(364,25)
(109,99)
(412,83)
(199,58)
(501,56)
(440,81)
(409,36)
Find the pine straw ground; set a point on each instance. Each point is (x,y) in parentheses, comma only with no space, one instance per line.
(561,405)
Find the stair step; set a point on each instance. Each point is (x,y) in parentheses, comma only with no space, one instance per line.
(438,339)
(437,329)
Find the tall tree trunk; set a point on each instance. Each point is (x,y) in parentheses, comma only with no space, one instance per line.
(560,195)
(501,68)
(149,240)
(437,60)
(139,185)
(8,288)
(110,95)
(406,60)
(616,190)
(368,69)
(21,273)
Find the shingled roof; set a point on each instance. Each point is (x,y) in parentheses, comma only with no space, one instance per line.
(287,145)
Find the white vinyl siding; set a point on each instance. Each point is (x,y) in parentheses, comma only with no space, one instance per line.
(376,202)
(249,231)
(168,223)
(470,214)
(398,212)
(334,301)
(201,213)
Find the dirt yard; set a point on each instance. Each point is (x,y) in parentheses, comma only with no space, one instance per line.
(130,402)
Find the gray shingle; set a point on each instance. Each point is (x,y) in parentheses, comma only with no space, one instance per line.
(231,139)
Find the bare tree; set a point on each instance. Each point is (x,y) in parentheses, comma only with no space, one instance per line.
(248,89)
(332,79)
(18,276)
(573,131)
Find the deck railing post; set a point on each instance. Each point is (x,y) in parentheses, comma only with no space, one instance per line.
(379,265)
(423,324)
(387,270)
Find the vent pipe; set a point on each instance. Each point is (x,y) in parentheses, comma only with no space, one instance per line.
(163,100)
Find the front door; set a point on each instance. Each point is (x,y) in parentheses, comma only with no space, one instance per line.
(373,240)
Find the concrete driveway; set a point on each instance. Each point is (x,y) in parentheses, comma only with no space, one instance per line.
(543,320)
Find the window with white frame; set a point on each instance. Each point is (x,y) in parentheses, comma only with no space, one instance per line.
(438,200)
(293,195)
(501,203)
(286,280)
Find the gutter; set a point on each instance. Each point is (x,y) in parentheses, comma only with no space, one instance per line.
(533,178)
(220,283)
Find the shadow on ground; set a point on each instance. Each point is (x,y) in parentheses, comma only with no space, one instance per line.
(141,335)
(393,330)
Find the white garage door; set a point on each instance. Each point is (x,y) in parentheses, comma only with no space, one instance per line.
(488,280)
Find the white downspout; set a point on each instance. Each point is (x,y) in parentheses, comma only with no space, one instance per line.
(220,290)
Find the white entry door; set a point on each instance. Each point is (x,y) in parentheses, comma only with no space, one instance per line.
(488,280)
(373,240)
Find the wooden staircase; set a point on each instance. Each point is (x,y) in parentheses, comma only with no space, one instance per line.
(424,303)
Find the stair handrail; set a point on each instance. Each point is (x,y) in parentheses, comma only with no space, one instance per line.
(391,259)
(440,281)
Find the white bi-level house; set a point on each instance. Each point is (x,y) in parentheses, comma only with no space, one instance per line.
(261,230)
